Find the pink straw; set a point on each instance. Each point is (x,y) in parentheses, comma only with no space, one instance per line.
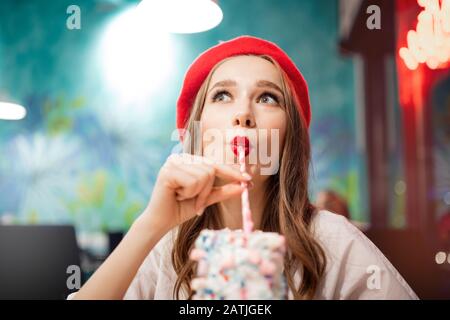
(246,213)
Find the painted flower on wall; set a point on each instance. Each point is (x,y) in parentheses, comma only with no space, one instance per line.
(40,173)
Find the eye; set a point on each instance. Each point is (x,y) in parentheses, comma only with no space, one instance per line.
(269,98)
(221,96)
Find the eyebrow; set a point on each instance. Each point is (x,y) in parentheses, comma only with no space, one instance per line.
(259,84)
(223,83)
(270,84)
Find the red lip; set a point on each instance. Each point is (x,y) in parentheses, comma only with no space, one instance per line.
(238,142)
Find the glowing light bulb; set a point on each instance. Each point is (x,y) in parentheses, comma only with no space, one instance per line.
(429,43)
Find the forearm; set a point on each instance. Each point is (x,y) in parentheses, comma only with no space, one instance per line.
(114,276)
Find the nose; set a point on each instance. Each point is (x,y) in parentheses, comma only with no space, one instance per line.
(244,119)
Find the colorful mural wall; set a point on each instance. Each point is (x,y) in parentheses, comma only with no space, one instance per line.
(89,150)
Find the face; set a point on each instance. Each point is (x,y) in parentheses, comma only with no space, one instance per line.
(244,99)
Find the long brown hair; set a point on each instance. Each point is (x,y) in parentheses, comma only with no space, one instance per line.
(288,210)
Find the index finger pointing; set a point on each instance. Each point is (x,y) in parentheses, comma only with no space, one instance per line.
(227,172)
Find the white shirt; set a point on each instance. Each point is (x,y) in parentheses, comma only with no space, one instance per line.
(356,269)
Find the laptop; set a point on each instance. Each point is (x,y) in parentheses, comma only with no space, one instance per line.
(36,261)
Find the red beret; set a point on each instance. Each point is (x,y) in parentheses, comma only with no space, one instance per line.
(200,68)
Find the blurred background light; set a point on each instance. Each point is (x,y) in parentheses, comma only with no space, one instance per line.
(440,257)
(12,111)
(182,16)
(430,42)
(400,187)
(136,55)
(447,198)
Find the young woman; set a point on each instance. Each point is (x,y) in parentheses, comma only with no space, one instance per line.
(243,86)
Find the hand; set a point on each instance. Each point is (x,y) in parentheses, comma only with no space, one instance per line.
(185,187)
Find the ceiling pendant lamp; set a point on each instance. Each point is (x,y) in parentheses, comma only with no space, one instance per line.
(11,111)
(182,16)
